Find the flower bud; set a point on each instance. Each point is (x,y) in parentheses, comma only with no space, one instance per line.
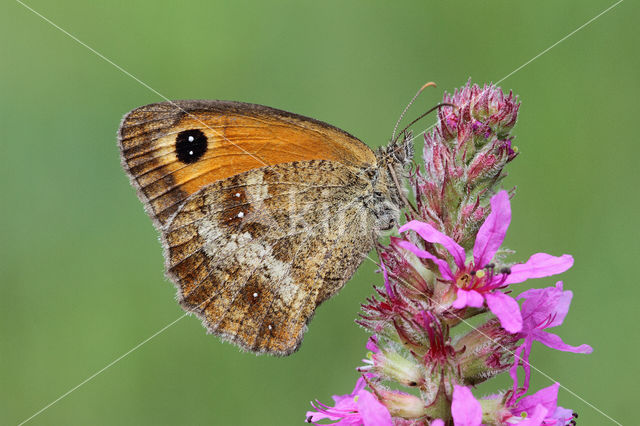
(401,404)
(390,364)
(465,155)
(485,352)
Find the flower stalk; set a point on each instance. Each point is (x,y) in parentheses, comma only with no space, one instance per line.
(448,265)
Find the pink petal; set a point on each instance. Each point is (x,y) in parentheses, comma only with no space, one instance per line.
(546,397)
(461,300)
(348,398)
(492,232)
(539,265)
(443,266)
(436,422)
(331,413)
(545,307)
(536,417)
(524,360)
(565,415)
(506,309)
(468,298)
(466,410)
(513,371)
(432,235)
(555,342)
(372,344)
(475,299)
(385,275)
(316,416)
(372,411)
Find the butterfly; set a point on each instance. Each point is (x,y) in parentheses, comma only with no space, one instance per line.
(263,214)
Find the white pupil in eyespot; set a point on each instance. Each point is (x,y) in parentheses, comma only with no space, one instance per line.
(191,138)
(190,152)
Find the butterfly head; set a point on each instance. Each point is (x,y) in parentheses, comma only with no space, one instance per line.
(398,152)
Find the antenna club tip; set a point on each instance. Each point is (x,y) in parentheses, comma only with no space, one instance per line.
(429,84)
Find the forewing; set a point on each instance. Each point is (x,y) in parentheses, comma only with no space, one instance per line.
(254,254)
(173,149)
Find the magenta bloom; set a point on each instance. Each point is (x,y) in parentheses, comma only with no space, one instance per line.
(534,410)
(542,308)
(360,407)
(478,282)
(542,408)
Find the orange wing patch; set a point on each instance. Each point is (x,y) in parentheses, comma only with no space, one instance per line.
(173,149)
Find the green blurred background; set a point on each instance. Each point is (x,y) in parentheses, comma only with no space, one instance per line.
(81,270)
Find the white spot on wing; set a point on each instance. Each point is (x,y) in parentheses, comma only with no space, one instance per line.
(249,253)
(241,214)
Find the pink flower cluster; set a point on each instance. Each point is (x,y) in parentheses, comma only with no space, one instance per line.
(446,266)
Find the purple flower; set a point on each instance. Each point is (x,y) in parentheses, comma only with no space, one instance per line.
(541,309)
(534,410)
(360,407)
(541,408)
(478,282)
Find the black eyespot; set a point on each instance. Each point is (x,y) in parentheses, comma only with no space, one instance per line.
(190,145)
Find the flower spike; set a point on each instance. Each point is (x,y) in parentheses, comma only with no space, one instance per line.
(448,265)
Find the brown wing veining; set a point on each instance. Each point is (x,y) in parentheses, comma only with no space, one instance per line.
(254,254)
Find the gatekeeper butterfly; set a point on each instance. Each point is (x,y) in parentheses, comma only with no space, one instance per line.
(263,214)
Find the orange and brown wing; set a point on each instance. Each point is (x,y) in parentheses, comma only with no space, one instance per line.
(173,149)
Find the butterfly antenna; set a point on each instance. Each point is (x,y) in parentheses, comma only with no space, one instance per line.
(443,104)
(429,84)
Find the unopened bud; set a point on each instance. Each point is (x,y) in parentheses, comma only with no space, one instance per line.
(391,365)
(402,404)
(485,352)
